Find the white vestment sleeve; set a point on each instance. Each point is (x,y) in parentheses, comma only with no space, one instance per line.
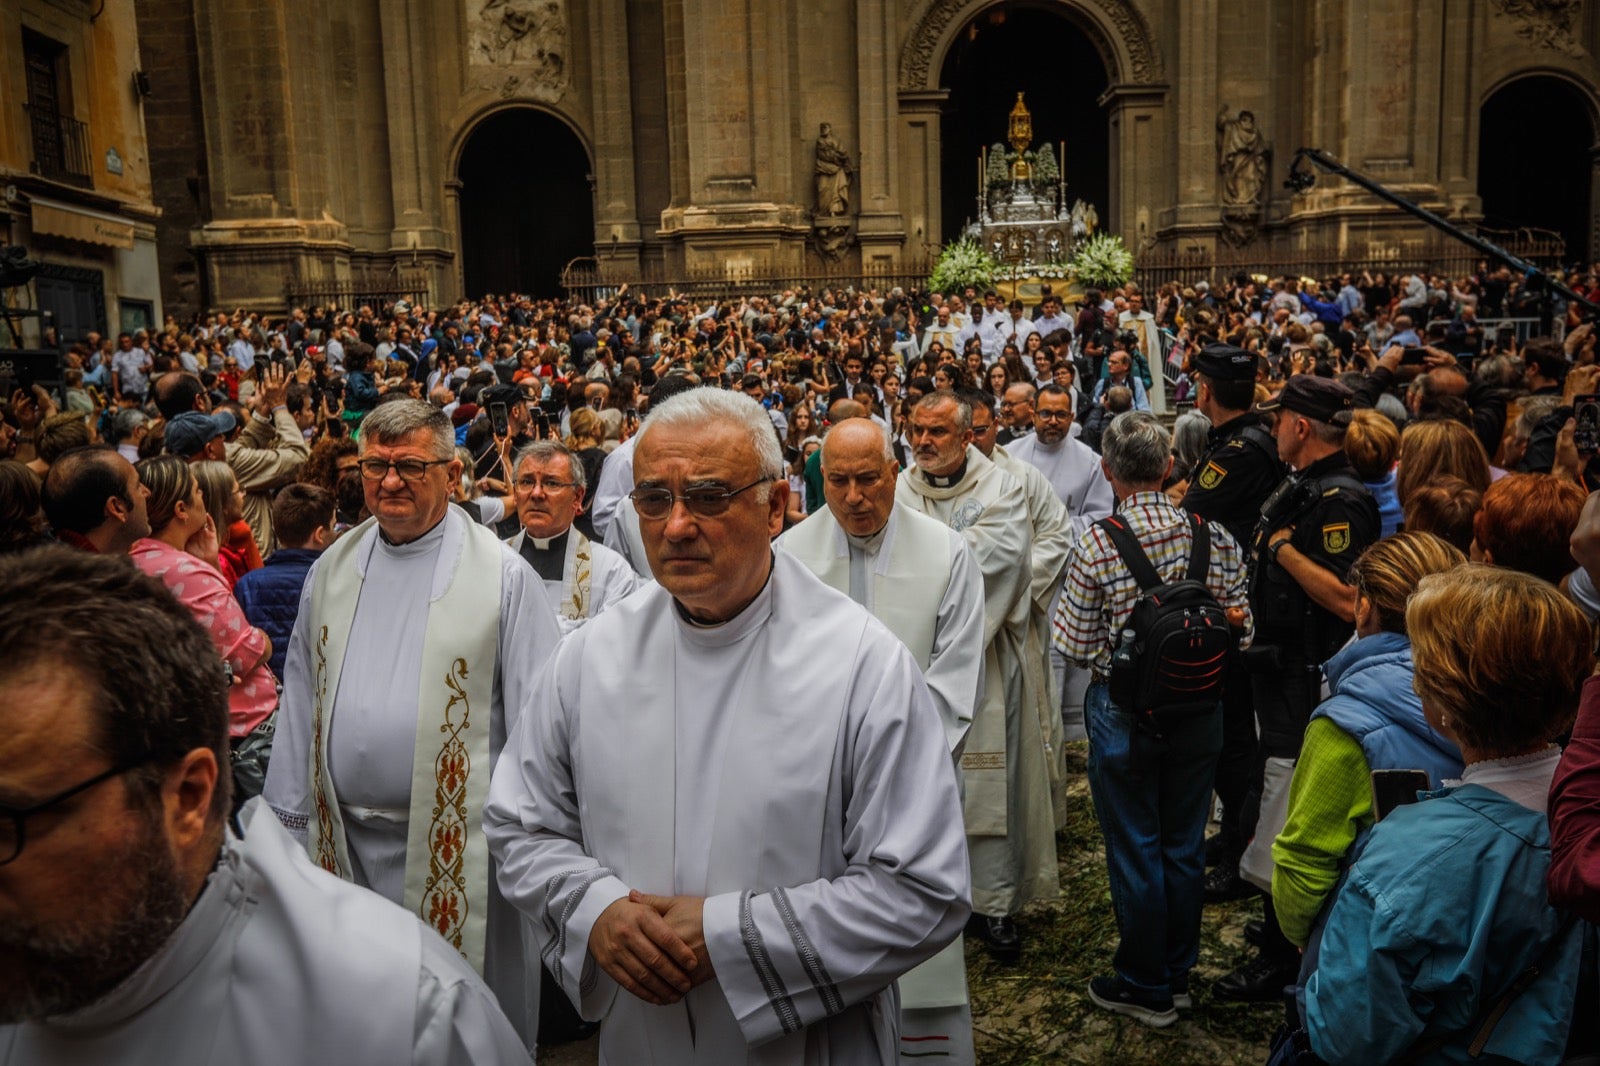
(955,666)
(791,956)
(1001,541)
(1053,538)
(528,634)
(531,822)
(458,1022)
(1098,503)
(616,481)
(288,787)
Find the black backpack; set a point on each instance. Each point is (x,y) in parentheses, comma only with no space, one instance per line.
(1169,661)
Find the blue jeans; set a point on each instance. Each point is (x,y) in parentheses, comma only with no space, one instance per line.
(1151,796)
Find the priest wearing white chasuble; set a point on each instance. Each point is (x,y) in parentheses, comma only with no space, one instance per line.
(733,849)
(580,576)
(417,643)
(1048,556)
(136,927)
(917,576)
(1005,767)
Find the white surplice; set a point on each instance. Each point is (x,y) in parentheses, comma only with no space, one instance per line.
(789,766)
(1073,468)
(1053,541)
(624,538)
(372,733)
(917,576)
(1009,812)
(280,962)
(615,482)
(930,595)
(592,577)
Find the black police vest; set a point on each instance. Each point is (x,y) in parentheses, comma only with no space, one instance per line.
(1284,613)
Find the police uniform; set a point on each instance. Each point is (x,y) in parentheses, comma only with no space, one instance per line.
(1232,478)
(1334,519)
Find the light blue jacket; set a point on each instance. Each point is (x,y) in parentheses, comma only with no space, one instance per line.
(1444,909)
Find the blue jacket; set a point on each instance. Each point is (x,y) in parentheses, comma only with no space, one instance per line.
(270,597)
(1444,909)
(1372,700)
(1386,494)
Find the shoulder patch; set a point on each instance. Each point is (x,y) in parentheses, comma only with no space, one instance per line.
(1212,476)
(1235,443)
(1336,538)
(1331,492)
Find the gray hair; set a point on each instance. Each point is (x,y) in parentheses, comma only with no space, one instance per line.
(541,450)
(1189,439)
(963,408)
(1535,409)
(698,409)
(1136,448)
(392,422)
(1390,407)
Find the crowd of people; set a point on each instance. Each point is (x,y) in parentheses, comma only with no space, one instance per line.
(713,664)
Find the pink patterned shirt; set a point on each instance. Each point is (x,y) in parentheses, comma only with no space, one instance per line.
(204,591)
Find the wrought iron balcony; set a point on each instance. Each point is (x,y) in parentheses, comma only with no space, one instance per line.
(60,147)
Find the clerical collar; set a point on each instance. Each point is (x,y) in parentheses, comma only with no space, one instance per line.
(869,543)
(948,481)
(548,557)
(426,542)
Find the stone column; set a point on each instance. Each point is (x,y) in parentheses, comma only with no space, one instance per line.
(921,195)
(1193,178)
(616,218)
(1138,155)
(880,227)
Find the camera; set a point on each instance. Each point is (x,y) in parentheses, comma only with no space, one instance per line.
(1586,415)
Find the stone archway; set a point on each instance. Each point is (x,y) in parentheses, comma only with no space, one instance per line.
(1556,116)
(1119,32)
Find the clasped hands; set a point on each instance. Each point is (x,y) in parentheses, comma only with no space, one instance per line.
(653,946)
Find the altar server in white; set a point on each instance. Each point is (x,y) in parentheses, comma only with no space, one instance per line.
(135,926)
(1073,468)
(580,576)
(1005,766)
(917,576)
(417,643)
(735,847)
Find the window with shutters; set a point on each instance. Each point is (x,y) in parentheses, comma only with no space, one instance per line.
(60,142)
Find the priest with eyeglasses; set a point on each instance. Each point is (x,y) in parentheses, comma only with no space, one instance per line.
(733,848)
(418,640)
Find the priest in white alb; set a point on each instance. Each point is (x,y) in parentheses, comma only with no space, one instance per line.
(580,576)
(418,641)
(917,576)
(1073,468)
(1051,550)
(1005,765)
(735,847)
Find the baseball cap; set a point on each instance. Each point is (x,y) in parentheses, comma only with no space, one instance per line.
(191,431)
(1319,399)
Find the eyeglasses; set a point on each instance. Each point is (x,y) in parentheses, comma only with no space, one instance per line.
(528,484)
(703,502)
(13,822)
(408,469)
(1053,416)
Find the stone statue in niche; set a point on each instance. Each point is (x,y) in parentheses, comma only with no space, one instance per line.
(1242,156)
(833,173)
(530,35)
(832,240)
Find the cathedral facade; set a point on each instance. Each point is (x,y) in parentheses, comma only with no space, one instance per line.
(479,145)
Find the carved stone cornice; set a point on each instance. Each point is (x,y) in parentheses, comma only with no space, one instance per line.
(1120,32)
(1547,23)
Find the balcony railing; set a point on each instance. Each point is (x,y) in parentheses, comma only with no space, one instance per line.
(60,147)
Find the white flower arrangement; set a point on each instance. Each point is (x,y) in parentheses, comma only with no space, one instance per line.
(963,262)
(1102,260)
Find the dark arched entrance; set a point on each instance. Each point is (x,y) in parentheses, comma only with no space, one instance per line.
(1535,142)
(1034,50)
(526,203)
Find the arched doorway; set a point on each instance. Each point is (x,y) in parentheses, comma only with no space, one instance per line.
(1536,141)
(1044,53)
(527,206)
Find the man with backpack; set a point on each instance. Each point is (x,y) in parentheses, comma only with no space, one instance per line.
(1154,604)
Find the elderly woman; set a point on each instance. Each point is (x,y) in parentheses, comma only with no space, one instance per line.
(1372,720)
(1446,908)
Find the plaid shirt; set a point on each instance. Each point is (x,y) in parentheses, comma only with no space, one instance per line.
(1099,592)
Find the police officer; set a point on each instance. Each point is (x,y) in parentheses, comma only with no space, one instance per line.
(1312,527)
(1237,472)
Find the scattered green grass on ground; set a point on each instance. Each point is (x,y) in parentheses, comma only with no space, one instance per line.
(1039,1011)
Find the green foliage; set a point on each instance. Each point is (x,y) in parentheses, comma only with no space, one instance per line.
(999,172)
(1103,261)
(962,263)
(1045,172)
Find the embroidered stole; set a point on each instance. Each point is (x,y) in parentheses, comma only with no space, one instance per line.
(577,577)
(447,857)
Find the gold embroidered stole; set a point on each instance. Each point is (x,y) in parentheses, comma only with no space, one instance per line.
(447,858)
(577,577)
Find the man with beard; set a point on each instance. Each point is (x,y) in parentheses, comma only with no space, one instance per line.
(582,577)
(1005,767)
(135,925)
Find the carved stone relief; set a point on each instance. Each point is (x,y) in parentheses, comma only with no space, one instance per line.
(518,47)
(1547,23)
